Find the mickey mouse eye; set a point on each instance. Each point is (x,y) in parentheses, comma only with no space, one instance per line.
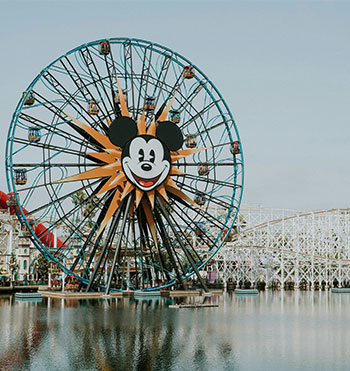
(141,155)
(152,156)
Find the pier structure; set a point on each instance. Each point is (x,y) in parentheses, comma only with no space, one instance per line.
(287,249)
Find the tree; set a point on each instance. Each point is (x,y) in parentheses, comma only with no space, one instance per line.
(42,266)
(89,207)
(13,265)
(186,264)
(166,259)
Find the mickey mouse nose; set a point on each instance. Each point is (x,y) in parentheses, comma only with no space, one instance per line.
(146,167)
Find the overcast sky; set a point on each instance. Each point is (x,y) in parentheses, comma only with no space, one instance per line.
(282,67)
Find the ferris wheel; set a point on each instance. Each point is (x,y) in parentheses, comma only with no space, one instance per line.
(125,166)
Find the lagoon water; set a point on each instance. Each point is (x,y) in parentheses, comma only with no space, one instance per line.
(272,331)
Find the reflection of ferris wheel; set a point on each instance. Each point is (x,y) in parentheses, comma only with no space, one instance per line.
(124,163)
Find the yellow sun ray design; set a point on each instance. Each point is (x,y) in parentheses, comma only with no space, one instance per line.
(113,182)
(152,128)
(150,220)
(110,212)
(112,169)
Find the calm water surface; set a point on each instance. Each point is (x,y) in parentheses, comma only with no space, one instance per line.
(272,331)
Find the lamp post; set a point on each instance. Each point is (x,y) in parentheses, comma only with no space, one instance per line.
(11,265)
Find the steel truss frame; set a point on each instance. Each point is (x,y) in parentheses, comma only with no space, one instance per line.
(287,249)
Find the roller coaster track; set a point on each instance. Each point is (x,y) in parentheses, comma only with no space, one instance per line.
(284,219)
(312,247)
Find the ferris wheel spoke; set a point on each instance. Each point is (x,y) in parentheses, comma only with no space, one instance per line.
(201,212)
(60,199)
(107,243)
(89,61)
(173,90)
(76,228)
(133,229)
(128,60)
(160,79)
(142,242)
(145,261)
(215,200)
(118,245)
(97,243)
(207,130)
(145,238)
(144,76)
(89,198)
(77,79)
(198,227)
(56,130)
(169,248)
(163,269)
(183,248)
(51,165)
(36,186)
(199,114)
(228,164)
(83,111)
(209,180)
(82,87)
(69,98)
(188,102)
(124,256)
(224,145)
(58,112)
(183,235)
(51,147)
(115,106)
(112,76)
(33,187)
(105,201)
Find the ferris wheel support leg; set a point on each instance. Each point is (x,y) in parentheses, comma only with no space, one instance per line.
(117,249)
(188,256)
(88,240)
(144,271)
(168,248)
(109,240)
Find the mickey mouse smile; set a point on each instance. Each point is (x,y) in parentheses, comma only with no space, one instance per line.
(145,182)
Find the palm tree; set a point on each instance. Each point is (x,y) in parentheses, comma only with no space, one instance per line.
(13,266)
(89,206)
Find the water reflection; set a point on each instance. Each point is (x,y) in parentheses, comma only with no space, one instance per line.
(272,331)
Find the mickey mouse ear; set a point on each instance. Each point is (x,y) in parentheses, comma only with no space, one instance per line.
(121,130)
(170,135)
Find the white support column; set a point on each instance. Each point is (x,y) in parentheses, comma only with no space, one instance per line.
(55,239)
(10,240)
(128,270)
(63,280)
(314,247)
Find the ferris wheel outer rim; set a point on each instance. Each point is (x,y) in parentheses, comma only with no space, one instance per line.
(120,40)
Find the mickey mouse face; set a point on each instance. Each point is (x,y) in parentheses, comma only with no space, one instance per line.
(146,162)
(145,159)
